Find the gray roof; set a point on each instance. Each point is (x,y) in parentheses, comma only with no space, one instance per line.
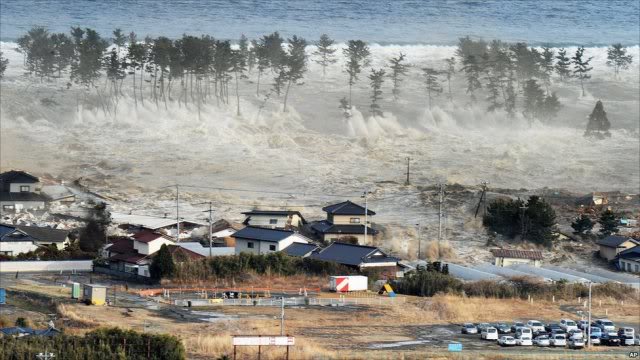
(299,249)
(346,208)
(326,227)
(44,234)
(17,176)
(262,234)
(10,233)
(631,254)
(353,255)
(614,241)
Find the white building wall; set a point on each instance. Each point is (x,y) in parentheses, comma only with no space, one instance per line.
(242,246)
(152,246)
(281,221)
(500,261)
(347,219)
(342,237)
(629,265)
(264,247)
(33,187)
(23,205)
(37,266)
(14,248)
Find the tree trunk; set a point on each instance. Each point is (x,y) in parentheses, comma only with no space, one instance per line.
(237,94)
(135,98)
(258,87)
(286,96)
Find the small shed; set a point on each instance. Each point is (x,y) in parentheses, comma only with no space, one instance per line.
(506,257)
(93,294)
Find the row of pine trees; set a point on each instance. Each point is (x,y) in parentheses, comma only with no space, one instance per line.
(200,69)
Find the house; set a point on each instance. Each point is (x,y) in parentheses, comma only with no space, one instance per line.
(345,222)
(506,257)
(274,219)
(629,260)
(258,240)
(20,191)
(197,248)
(24,331)
(148,242)
(358,256)
(168,225)
(300,249)
(222,230)
(18,239)
(611,245)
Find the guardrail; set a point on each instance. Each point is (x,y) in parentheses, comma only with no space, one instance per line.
(293,301)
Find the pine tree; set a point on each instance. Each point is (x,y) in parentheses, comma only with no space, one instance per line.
(243,48)
(581,67)
(550,107)
(562,65)
(540,220)
(472,69)
(598,124)
(510,95)
(357,54)
(582,225)
(295,64)
(119,39)
(325,53)
(162,264)
(450,70)
(377,78)
(609,223)
(94,234)
(533,99)
(398,72)
(431,83)
(3,65)
(546,66)
(617,58)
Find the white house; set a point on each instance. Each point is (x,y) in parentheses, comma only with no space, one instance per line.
(259,240)
(18,239)
(506,257)
(147,242)
(612,245)
(274,219)
(629,260)
(20,191)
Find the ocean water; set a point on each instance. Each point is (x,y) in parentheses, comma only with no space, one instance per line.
(438,22)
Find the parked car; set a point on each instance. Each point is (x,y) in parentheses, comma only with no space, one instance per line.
(550,327)
(575,343)
(482,326)
(523,331)
(610,339)
(595,340)
(605,325)
(626,331)
(507,341)
(582,324)
(558,340)
(535,326)
(627,340)
(503,328)
(542,340)
(525,340)
(637,340)
(575,334)
(568,324)
(516,325)
(469,328)
(596,331)
(489,333)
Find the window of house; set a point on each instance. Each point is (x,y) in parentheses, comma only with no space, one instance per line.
(629,267)
(637,268)
(273,221)
(250,245)
(25,188)
(354,220)
(272,247)
(8,207)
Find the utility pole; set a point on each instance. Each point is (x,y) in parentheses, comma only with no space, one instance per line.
(282,317)
(440,212)
(366,215)
(177,213)
(523,208)
(419,241)
(589,325)
(408,168)
(210,211)
(482,200)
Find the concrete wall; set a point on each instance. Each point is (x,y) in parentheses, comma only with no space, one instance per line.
(14,248)
(500,261)
(43,266)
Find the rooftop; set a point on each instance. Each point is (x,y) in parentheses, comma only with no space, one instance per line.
(149,222)
(44,234)
(632,254)
(299,249)
(518,254)
(615,240)
(17,176)
(262,234)
(346,208)
(326,227)
(148,236)
(353,255)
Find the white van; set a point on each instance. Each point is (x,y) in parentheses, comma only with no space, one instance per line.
(568,325)
(524,331)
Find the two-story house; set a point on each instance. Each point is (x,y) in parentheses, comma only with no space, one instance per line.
(345,222)
(258,240)
(18,239)
(274,219)
(20,191)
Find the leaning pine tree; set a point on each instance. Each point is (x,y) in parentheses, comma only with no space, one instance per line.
(377,78)
(398,71)
(431,83)
(598,125)
(357,54)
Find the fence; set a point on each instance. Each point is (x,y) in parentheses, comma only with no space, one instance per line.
(45,266)
(294,301)
(123,275)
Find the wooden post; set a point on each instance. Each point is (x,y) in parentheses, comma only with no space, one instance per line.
(234,352)
(259,352)
(287,352)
